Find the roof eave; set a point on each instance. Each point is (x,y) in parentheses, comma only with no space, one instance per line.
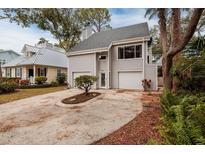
(118,42)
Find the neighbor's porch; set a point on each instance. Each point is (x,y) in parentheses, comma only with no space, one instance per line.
(31,71)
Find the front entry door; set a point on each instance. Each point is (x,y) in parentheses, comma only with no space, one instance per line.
(30,73)
(102,80)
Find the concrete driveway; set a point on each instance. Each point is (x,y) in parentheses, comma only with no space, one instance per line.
(38,120)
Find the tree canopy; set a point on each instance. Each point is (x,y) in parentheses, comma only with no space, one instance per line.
(60,23)
(99,18)
(19,16)
(173,36)
(42,40)
(63,23)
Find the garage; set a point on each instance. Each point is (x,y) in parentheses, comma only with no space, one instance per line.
(130,80)
(77,74)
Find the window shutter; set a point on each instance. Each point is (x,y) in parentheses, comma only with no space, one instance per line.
(15,72)
(21,72)
(45,72)
(38,72)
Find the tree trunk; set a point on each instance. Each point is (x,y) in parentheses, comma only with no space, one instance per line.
(176,39)
(166,68)
(166,62)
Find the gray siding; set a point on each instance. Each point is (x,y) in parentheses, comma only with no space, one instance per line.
(90,63)
(82,63)
(151,74)
(118,65)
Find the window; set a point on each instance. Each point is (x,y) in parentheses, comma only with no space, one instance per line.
(138,51)
(120,53)
(58,71)
(102,57)
(8,72)
(42,71)
(129,52)
(18,72)
(2,61)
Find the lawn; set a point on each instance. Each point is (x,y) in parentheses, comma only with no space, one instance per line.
(24,93)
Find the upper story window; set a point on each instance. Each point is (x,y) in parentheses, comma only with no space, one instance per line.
(138,51)
(2,61)
(129,52)
(102,57)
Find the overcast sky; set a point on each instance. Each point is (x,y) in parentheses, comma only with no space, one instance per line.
(14,37)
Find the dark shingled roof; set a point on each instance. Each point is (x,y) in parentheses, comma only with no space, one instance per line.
(103,39)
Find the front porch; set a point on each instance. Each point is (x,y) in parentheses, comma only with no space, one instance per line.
(32,71)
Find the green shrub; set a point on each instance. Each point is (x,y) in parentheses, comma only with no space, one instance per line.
(10,79)
(61,78)
(85,82)
(153,142)
(7,87)
(54,84)
(35,86)
(40,79)
(183,118)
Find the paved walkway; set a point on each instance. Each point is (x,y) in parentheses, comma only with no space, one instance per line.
(38,120)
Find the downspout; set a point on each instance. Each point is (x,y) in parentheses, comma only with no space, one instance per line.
(109,70)
(144,54)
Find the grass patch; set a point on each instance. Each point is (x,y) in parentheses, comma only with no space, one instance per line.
(24,93)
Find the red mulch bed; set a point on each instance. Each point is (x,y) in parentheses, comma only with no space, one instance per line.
(141,129)
(80,98)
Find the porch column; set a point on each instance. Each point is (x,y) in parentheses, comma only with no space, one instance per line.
(34,73)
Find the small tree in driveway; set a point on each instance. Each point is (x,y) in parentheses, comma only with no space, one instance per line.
(85,82)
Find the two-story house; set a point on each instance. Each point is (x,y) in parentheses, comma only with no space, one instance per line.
(121,58)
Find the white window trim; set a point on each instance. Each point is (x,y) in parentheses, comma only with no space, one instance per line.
(18,69)
(58,70)
(123,46)
(8,72)
(42,70)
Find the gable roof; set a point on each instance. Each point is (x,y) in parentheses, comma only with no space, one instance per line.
(43,56)
(105,38)
(9,51)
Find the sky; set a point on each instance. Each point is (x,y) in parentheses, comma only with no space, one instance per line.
(13,37)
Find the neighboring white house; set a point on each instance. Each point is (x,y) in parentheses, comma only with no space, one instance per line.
(6,56)
(40,60)
(121,58)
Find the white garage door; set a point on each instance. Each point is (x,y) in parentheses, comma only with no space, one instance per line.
(77,74)
(130,80)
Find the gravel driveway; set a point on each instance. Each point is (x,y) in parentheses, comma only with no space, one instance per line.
(38,120)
